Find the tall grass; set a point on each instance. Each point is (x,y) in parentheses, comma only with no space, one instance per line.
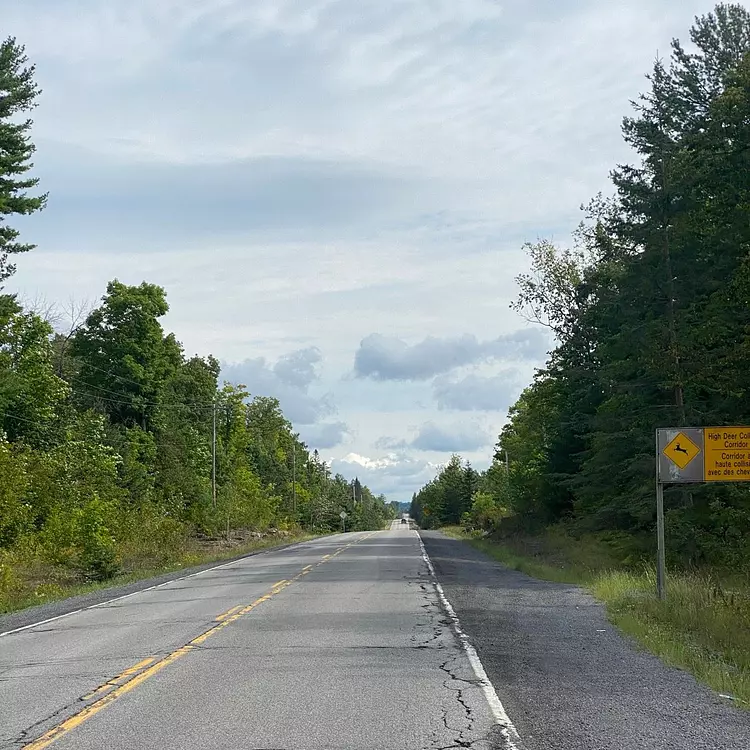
(703,626)
(26,578)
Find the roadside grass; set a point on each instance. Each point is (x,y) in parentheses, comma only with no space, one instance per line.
(26,581)
(703,626)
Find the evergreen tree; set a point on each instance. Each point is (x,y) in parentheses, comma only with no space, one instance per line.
(18,93)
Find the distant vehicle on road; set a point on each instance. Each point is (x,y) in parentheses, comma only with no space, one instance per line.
(403,520)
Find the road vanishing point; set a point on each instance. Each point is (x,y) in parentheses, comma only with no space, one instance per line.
(392,639)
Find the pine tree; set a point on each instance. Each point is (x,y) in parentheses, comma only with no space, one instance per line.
(18,92)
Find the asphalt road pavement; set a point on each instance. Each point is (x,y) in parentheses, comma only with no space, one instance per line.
(568,679)
(340,642)
(347,641)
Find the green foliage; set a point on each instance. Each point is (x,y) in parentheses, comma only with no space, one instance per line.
(448,497)
(19,92)
(113,468)
(486,512)
(650,309)
(31,395)
(15,511)
(125,359)
(117,452)
(98,557)
(370,512)
(243,503)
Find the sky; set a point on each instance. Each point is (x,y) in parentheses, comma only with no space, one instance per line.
(334,194)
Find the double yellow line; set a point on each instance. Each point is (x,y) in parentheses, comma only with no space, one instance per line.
(140,672)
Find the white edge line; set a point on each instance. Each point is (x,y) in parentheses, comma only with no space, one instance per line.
(140,591)
(42,622)
(510,733)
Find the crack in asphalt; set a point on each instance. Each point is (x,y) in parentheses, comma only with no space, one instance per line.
(66,676)
(456,714)
(434,631)
(25,735)
(69,709)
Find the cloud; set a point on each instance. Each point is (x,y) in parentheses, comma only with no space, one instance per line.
(299,368)
(391,444)
(287,380)
(273,163)
(396,475)
(478,393)
(434,438)
(325,435)
(281,196)
(388,358)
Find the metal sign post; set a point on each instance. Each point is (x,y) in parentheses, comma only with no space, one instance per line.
(676,454)
(661,565)
(691,455)
(661,560)
(343,516)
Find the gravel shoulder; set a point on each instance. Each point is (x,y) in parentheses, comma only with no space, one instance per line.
(567,677)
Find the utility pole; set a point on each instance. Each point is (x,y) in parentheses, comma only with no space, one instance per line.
(674,343)
(507,462)
(294,479)
(213,459)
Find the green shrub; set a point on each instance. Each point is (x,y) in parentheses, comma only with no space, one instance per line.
(98,556)
(486,512)
(15,511)
(58,540)
(9,579)
(149,536)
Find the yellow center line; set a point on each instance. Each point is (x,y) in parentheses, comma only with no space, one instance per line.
(223,615)
(228,617)
(120,677)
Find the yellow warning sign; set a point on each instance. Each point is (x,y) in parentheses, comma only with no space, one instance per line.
(727,454)
(681,450)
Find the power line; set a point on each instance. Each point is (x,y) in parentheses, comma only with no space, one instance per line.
(5,415)
(119,393)
(112,374)
(187,405)
(159,443)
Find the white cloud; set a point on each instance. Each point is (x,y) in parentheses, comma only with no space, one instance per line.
(454,439)
(431,437)
(298,175)
(299,369)
(477,392)
(389,358)
(325,435)
(395,475)
(288,380)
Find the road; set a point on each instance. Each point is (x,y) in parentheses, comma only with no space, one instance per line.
(347,641)
(567,678)
(340,642)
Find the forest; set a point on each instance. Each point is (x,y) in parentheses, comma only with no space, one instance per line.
(118,452)
(649,307)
